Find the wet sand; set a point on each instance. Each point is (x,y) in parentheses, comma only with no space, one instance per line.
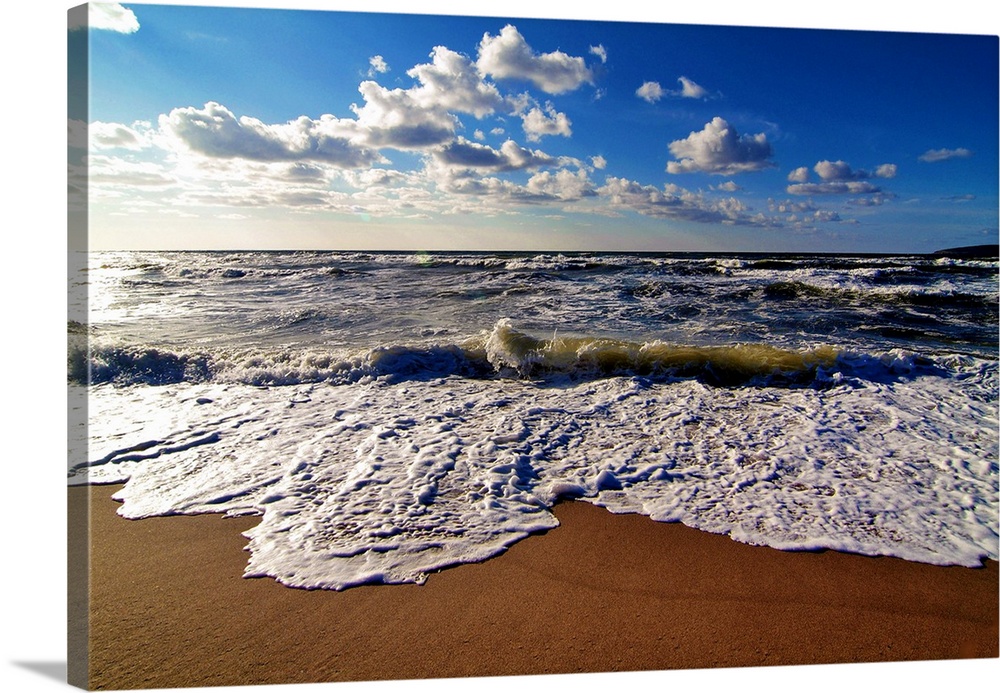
(600,593)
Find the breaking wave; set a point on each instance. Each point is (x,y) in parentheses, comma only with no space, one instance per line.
(502,352)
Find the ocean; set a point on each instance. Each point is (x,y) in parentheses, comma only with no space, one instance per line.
(387,415)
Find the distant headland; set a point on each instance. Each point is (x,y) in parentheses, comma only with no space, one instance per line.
(971,251)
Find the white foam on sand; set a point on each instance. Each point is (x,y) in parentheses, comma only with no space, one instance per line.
(387,480)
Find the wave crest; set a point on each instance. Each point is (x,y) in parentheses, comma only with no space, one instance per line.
(509,350)
(502,352)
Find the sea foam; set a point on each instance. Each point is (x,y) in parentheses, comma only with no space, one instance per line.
(389,480)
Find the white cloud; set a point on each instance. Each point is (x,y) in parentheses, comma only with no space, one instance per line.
(115,136)
(674,202)
(394,118)
(479,135)
(691,90)
(381,183)
(305,172)
(538,123)
(214,131)
(876,199)
(510,157)
(825,215)
(838,171)
(887,171)
(107,171)
(599,162)
(799,175)
(934,155)
(519,103)
(653,91)
(838,187)
(563,184)
(508,56)
(452,82)
(838,178)
(469,169)
(493,195)
(109,16)
(378,65)
(728,186)
(720,150)
(801,213)
(790,206)
(489,189)
(423,116)
(842,171)
(600,51)
(650,91)
(246,184)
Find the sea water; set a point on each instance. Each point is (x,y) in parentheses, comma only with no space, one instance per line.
(387,415)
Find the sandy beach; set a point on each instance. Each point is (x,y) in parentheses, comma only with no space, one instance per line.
(601,592)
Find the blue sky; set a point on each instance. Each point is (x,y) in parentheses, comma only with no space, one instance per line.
(227,127)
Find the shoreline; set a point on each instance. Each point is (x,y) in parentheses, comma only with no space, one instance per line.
(599,593)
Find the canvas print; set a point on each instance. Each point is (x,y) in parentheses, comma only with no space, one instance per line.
(406,347)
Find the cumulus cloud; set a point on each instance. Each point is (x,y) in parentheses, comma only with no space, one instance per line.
(375,178)
(886,171)
(799,175)
(115,136)
(600,51)
(492,194)
(934,155)
(394,118)
(674,202)
(538,123)
(510,157)
(109,16)
(305,172)
(691,90)
(117,172)
(836,170)
(719,149)
(833,188)
(214,131)
(790,206)
(842,171)
(508,56)
(837,178)
(378,65)
(650,91)
(653,91)
(423,116)
(800,213)
(491,189)
(599,162)
(876,199)
(728,186)
(825,215)
(452,82)
(563,184)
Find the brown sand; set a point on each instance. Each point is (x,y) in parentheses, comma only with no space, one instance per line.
(601,592)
